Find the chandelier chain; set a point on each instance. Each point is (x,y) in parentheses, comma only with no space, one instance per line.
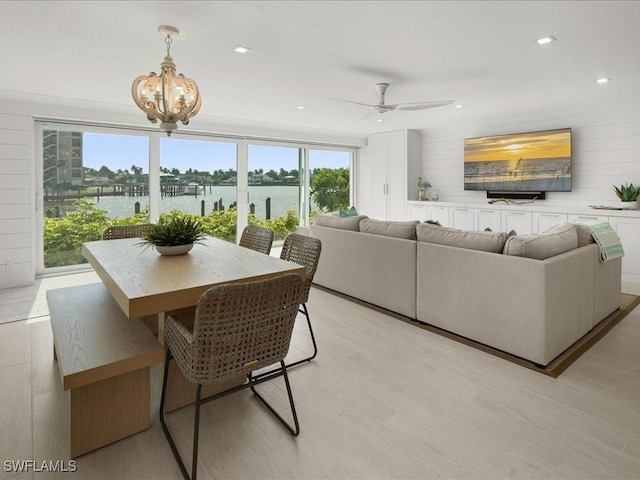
(168,40)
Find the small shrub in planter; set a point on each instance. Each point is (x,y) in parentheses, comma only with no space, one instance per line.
(174,231)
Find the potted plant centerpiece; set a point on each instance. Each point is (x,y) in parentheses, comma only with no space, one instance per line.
(174,235)
(628,195)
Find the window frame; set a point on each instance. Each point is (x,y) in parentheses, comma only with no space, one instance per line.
(153,135)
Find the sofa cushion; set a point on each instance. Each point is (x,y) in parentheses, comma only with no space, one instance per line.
(548,244)
(485,241)
(584,235)
(333,221)
(406,230)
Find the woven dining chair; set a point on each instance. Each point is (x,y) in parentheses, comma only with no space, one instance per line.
(239,328)
(304,251)
(125,231)
(257,238)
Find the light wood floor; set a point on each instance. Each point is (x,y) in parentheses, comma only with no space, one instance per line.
(382,400)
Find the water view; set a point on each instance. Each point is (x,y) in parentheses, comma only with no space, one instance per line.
(535,174)
(283,198)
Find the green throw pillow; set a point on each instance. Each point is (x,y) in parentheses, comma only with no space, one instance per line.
(348,213)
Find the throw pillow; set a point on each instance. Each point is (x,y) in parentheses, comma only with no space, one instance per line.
(348,213)
(406,230)
(544,245)
(333,221)
(485,241)
(584,235)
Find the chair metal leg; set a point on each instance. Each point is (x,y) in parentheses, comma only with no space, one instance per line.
(196,432)
(294,431)
(282,371)
(303,310)
(196,426)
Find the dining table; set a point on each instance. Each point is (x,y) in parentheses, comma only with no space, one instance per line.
(151,286)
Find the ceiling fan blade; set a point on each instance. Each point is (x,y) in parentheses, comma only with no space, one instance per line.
(423,105)
(372,113)
(351,101)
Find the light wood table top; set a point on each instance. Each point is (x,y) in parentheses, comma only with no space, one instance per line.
(143,282)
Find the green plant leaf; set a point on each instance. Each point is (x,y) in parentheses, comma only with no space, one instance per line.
(627,192)
(174,230)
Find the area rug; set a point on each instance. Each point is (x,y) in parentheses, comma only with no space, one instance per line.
(24,303)
(566,358)
(557,365)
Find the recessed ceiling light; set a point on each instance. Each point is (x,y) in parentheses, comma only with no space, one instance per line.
(603,80)
(459,106)
(380,120)
(300,107)
(241,49)
(545,40)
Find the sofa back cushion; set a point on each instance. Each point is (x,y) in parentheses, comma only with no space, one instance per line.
(486,241)
(584,235)
(548,244)
(334,221)
(406,230)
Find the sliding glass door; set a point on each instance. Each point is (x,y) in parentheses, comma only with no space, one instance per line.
(89,180)
(274,187)
(92,177)
(330,181)
(200,177)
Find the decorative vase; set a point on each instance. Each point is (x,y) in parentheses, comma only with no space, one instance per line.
(629,205)
(174,249)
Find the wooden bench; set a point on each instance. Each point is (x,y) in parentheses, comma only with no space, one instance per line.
(104,358)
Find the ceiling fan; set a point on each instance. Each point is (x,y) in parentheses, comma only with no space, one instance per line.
(382,107)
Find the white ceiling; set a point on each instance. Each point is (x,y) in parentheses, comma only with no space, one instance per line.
(480,54)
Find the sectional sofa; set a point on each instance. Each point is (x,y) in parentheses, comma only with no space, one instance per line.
(532,296)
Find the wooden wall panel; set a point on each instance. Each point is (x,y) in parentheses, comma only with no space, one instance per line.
(606,149)
(12,196)
(15,200)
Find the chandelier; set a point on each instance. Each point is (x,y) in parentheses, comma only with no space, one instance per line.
(169,97)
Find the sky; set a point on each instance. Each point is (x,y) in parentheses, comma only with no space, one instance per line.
(546,144)
(123,151)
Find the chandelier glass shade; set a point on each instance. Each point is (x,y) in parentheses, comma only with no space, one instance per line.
(167,97)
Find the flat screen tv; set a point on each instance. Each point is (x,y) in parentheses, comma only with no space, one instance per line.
(519,162)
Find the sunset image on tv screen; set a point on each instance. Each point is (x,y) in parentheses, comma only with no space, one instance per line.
(533,161)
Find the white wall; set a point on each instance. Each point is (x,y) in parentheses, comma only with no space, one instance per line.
(18,159)
(16,194)
(606,152)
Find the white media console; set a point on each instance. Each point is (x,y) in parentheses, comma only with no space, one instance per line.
(534,218)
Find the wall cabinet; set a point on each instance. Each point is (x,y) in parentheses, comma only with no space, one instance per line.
(628,229)
(423,213)
(518,221)
(395,167)
(488,218)
(575,218)
(544,221)
(418,212)
(440,214)
(462,218)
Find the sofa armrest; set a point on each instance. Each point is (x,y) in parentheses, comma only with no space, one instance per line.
(607,285)
(531,308)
